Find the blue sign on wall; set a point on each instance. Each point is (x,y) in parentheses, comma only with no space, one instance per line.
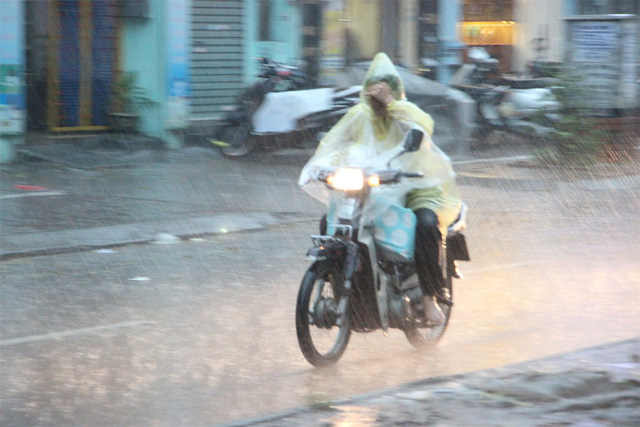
(12,98)
(178,85)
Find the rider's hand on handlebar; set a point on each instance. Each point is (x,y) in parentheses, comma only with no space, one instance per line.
(318,173)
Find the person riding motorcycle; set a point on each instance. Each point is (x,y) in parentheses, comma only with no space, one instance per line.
(376,124)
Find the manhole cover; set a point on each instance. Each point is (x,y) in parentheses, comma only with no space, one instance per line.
(75,157)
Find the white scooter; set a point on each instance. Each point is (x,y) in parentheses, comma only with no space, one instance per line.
(279,103)
(527,107)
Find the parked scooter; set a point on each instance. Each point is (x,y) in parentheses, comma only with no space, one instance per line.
(363,275)
(322,121)
(526,107)
(280,102)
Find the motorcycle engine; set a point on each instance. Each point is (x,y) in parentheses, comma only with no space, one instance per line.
(403,307)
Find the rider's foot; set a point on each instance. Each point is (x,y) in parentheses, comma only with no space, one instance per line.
(432,311)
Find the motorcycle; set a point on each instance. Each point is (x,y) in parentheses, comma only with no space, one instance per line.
(363,276)
(525,107)
(280,103)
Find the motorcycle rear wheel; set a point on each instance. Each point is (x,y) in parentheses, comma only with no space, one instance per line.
(238,139)
(425,337)
(321,340)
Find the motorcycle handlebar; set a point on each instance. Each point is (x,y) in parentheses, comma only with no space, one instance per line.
(393,177)
(269,68)
(385,175)
(413,174)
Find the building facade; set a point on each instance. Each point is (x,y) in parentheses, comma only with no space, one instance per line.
(77,52)
(227,37)
(186,59)
(60,60)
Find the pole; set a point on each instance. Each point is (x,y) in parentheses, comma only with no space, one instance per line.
(449,14)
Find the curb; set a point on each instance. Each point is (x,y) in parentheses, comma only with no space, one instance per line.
(68,241)
(579,359)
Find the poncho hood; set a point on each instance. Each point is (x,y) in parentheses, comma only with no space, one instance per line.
(382,70)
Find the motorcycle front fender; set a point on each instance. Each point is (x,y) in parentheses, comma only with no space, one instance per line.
(381,281)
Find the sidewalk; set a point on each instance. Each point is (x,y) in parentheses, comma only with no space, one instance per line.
(593,387)
(51,208)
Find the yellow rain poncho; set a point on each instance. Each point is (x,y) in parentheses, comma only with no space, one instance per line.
(361,135)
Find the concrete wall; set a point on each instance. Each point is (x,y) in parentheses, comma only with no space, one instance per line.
(286,30)
(538,19)
(363,19)
(145,44)
(142,51)
(408,33)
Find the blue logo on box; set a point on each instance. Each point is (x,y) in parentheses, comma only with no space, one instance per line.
(396,229)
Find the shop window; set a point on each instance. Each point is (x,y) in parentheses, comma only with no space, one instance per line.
(603,7)
(489,33)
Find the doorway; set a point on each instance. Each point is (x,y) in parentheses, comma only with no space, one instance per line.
(71,63)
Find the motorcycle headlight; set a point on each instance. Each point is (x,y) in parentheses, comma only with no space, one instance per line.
(346,179)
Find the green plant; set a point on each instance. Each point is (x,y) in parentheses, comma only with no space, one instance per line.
(127,97)
(578,141)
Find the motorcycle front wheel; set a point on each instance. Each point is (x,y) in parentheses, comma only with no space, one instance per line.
(426,337)
(323,332)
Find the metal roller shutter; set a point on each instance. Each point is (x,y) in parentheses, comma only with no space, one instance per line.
(217,56)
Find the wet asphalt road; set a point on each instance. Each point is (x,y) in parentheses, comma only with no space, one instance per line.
(209,337)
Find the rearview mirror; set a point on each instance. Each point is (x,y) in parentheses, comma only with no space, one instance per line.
(410,144)
(413,141)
